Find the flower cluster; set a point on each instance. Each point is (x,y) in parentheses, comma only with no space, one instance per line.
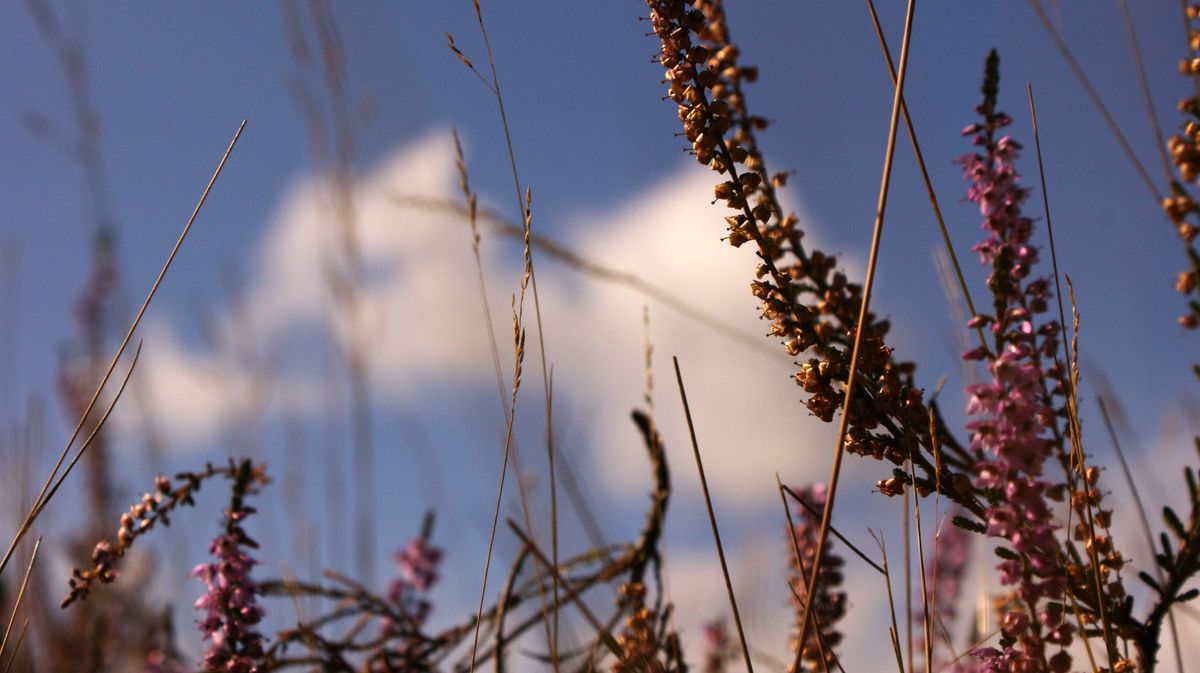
(817,653)
(418,565)
(1012,418)
(230,604)
(812,306)
(639,641)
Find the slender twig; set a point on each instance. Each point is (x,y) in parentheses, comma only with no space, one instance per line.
(833,529)
(17,646)
(518,361)
(572,595)
(552,638)
(506,408)
(561,252)
(553,512)
(931,606)
(1087,643)
(489,328)
(1088,486)
(906,537)
(43,498)
(887,580)
(851,377)
(472,212)
(94,433)
(1077,71)
(503,604)
(933,200)
(926,612)
(821,646)
(1143,82)
(12,618)
(1037,142)
(1071,390)
(712,519)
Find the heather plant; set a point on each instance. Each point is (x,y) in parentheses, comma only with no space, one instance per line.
(1024,417)
(1018,484)
(1013,411)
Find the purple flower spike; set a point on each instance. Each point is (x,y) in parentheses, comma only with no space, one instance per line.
(1011,416)
(417,563)
(231,610)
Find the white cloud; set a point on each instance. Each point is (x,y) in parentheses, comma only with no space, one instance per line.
(421,302)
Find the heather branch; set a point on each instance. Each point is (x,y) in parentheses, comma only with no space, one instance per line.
(153,508)
(410,646)
(812,307)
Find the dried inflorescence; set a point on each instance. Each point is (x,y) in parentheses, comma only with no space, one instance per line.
(230,602)
(812,306)
(1184,148)
(639,641)
(646,646)
(829,604)
(153,508)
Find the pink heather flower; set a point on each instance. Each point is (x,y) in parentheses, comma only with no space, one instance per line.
(231,612)
(417,563)
(1011,426)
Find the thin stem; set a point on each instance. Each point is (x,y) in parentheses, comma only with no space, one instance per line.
(887,580)
(42,498)
(712,520)
(851,378)
(1069,380)
(17,647)
(1159,143)
(1090,90)
(927,613)
(572,595)
(833,529)
(933,200)
(560,252)
(12,618)
(552,638)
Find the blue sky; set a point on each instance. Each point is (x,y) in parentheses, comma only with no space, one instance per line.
(596,143)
